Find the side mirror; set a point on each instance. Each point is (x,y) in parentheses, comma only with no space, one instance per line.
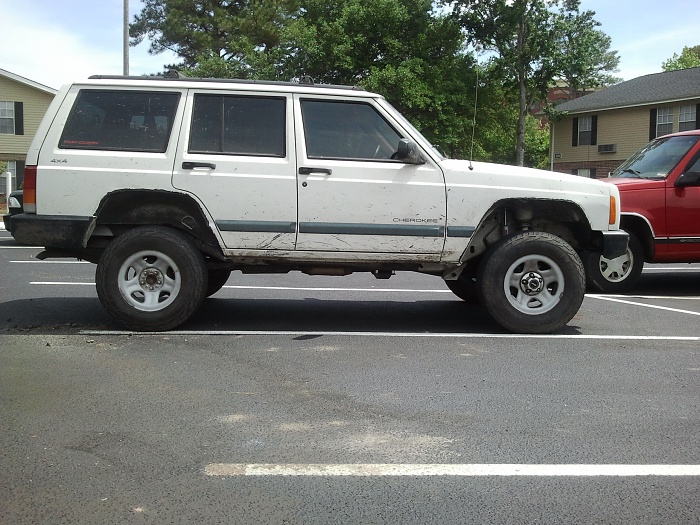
(408,152)
(689,178)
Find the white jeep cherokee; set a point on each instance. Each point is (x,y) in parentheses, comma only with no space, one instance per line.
(169,184)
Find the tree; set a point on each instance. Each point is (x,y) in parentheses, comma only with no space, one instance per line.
(689,57)
(583,57)
(242,37)
(521,33)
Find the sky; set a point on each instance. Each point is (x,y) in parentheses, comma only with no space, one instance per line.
(53,42)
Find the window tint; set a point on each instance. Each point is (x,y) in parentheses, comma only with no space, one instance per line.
(120,121)
(238,125)
(347,130)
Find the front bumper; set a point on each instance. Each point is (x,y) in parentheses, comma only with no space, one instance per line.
(615,243)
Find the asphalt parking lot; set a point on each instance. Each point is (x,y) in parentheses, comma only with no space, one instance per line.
(294,399)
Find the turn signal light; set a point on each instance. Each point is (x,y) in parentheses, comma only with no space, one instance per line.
(613,210)
(29,189)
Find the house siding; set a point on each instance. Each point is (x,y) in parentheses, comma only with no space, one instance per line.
(626,128)
(35,103)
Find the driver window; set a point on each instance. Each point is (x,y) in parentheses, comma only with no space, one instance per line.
(347,130)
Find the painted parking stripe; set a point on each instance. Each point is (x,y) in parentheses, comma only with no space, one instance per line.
(437,335)
(388,469)
(634,303)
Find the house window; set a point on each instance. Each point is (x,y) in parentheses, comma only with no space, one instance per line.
(664,121)
(589,173)
(686,118)
(585,131)
(7,117)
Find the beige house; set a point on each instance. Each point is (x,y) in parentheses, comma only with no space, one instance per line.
(23,103)
(602,129)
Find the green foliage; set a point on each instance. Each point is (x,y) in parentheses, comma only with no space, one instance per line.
(583,58)
(246,34)
(689,57)
(411,51)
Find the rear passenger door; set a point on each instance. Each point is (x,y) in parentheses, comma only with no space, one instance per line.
(236,154)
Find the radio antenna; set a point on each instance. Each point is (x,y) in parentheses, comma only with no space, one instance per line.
(476,96)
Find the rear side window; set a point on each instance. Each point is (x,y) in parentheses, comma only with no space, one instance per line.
(120,121)
(238,125)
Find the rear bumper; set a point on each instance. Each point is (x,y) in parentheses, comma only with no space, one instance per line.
(67,232)
(615,243)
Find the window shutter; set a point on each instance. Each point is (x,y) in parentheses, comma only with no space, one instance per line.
(697,116)
(574,132)
(652,124)
(19,176)
(19,118)
(594,130)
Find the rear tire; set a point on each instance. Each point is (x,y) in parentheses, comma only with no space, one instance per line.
(151,278)
(531,282)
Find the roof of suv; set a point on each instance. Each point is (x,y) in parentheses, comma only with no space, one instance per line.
(179,78)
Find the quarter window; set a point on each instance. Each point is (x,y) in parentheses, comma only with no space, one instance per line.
(7,118)
(347,130)
(238,125)
(120,121)
(686,118)
(664,121)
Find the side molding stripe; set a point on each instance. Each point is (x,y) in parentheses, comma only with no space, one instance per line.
(257,226)
(460,231)
(336,228)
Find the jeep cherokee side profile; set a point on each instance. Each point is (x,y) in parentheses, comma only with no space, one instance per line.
(170,184)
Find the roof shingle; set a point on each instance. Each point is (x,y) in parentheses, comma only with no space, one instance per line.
(669,86)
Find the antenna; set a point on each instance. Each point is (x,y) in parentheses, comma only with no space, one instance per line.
(476,97)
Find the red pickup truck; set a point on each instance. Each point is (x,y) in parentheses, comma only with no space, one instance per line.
(660,209)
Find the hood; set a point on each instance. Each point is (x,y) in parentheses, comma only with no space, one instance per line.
(632,184)
(489,174)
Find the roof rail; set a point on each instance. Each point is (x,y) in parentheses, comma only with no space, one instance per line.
(174,75)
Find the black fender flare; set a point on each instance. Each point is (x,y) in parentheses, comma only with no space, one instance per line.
(137,207)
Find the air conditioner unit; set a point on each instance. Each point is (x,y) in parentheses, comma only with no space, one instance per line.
(607,148)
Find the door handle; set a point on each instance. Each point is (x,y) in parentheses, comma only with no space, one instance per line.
(308,171)
(193,165)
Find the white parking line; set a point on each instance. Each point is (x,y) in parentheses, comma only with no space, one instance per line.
(50,262)
(437,335)
(634,303)
(386,469)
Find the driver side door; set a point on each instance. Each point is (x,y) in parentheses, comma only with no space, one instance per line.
(353,196)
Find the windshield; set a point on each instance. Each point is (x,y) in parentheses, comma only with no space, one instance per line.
(656,159)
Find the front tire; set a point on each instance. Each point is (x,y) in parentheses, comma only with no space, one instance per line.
(531,282)
(151,278)
(615,275)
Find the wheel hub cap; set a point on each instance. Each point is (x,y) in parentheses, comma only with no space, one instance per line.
(532,283)
(151,279)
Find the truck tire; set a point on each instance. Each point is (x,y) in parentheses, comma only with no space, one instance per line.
(151,278)
(615,275)
(531,282)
